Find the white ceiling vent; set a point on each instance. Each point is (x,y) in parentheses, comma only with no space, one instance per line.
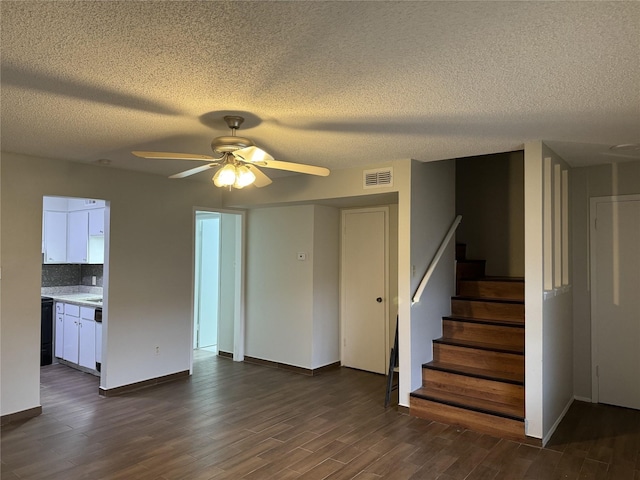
(377,178)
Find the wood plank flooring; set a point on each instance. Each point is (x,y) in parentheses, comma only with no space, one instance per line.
(241,421)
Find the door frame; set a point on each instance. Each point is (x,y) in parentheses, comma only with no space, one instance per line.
(343,213)
(239,300)
(593,204)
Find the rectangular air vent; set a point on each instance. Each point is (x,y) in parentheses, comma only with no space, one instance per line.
(380,177)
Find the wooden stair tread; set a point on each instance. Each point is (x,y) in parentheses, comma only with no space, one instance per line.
(492,347)
(514,322)
(496,279)
(489,299)
(485,321)
(487,407)
(507,377)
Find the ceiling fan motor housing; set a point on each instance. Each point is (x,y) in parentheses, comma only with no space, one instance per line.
(229,144)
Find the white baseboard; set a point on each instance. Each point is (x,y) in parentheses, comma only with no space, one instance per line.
(583,399)
(550,433)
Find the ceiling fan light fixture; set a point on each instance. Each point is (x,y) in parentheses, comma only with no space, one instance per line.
(234,175)
(226,176)
(244,177)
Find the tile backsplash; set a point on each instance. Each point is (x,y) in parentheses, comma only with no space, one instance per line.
(59,275)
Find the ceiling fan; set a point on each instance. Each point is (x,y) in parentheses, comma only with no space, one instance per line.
(238,159)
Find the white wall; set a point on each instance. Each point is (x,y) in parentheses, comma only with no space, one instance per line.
(228,239)
(549,325)
(292,305)
(326,294)
(149,297)
(588,182)
(279,309)
(432,213)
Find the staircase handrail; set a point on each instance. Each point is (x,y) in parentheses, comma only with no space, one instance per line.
(436,259)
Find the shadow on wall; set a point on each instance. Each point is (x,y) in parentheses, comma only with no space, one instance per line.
(490,198)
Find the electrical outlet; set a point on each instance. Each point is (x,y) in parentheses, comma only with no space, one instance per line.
(94,280)
(157,350)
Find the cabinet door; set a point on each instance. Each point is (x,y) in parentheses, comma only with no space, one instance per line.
(70,338)
(55,237)
(78,241)
(87,354)
(96,222)
(59,336)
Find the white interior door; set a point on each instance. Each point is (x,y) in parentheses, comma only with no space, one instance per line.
(616,300)
(364,296)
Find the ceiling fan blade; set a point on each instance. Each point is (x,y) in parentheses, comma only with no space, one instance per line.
(261,179)
(298,167)
(173,156)
(193,171)
(252,154)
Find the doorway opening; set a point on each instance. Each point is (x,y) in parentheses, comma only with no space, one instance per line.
(218,324)
(74,282)
(207,281)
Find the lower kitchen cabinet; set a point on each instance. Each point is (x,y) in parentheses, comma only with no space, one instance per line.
(76,340)
(87,338)
(58,349)
(71,334)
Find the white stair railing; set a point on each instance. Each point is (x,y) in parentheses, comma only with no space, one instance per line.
(436,259)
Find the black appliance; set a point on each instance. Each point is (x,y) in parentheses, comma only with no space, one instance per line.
(98,320)
(46,331)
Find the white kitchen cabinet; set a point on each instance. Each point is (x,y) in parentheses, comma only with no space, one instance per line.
(96,235)
(78,334)
(71,336)
(96,222)
(78,239)
(54,237)
(75,235)
(59,330)
(87,338)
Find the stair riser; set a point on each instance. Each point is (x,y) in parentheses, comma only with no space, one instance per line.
(472,357)
(492,289)
(512,337)
(488,310)
(479,422)
(510,396)
(469,270)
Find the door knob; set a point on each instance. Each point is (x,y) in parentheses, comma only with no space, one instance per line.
(379,299)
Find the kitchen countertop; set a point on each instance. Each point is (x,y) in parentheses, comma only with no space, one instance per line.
(83,299)
(78,295)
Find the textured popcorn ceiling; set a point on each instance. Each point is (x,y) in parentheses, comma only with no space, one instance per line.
(337,84)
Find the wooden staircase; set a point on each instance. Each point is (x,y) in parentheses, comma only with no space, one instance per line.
(476,378)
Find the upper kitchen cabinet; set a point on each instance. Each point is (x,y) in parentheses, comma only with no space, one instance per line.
(54,236)
(96,222)
(78,239)
(74,235)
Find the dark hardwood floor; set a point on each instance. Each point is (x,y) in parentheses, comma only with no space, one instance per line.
(242,421)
